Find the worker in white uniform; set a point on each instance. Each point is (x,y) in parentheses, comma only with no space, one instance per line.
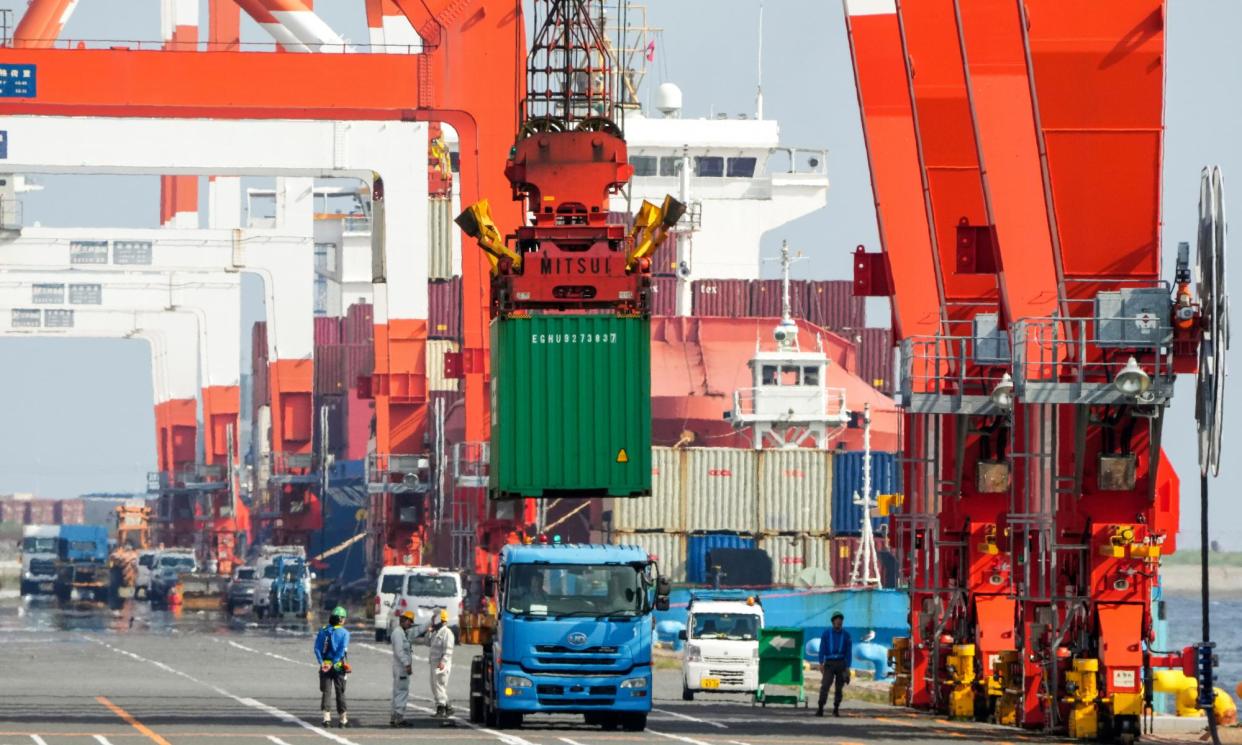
(440,655)
(402,666)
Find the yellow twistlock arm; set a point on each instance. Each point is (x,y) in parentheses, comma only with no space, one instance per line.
(651,225)
(476,222)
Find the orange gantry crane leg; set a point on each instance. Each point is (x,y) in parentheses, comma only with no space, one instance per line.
(42,22)
(906,237)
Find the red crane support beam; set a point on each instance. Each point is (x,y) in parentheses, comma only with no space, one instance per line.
(950,155)
(892,149)
(994,55)
(1099,75)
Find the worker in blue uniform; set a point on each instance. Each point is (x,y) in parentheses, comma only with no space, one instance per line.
(331,651)
(835,651)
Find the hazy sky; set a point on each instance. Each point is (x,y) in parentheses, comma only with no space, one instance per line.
(81,412)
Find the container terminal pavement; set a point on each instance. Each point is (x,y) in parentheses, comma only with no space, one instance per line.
(75,679)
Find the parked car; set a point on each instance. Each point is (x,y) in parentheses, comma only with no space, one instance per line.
(146,561)
(387,589)
(168,568)
(425,591)
(266,573)
(242,589)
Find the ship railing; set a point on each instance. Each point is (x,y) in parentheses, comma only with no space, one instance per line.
(471,464)
(953,374)
(398,473)
(798,161)
(789,403)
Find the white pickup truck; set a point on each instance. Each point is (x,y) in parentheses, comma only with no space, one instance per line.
(722,646)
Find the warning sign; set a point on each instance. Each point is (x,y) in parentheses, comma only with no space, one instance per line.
(622,457)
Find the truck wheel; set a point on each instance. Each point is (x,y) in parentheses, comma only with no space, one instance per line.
(634,722)
(686,693)
(381,636)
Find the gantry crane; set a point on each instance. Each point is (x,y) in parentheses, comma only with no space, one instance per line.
(1015,152)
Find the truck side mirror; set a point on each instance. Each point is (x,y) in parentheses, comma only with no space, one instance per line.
(663,586)
(681,635)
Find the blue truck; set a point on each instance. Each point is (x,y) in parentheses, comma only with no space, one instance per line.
(82,563)
(573,636)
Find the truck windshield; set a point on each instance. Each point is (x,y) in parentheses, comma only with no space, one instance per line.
(39,545)
(431,586)
(391,583)
(244,574)
(569,589)
(83,546)
(176,561)
(737,626)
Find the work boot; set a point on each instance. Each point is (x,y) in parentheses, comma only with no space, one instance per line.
(819,711)
(327,719)
(344,721)
(836,710)
(439,712)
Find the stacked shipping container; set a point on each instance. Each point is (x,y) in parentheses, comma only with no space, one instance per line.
(786,502)
(42,511)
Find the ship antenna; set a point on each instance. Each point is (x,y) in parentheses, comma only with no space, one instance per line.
(759,85)
(786,313)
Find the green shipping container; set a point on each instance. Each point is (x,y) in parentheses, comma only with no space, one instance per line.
(571,406)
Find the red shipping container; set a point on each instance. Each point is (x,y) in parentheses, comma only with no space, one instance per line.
(258,344)
(359,413)
(875,357)
(359,362)
(841,560)
(444,309)
(664,296)
(359,324)
(621,218)
(70,512)
(766,298)
(833,305)
(664,261)
(721,297)
(327,330)
(330,369)
(41,512)
(14,512)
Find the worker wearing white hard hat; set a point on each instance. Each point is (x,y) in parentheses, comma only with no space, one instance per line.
(402,667)
(440,657)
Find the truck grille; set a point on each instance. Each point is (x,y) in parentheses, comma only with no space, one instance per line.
(736,677)
(552,690)
(593,701)
(42,567)
(558,649)
(723,660)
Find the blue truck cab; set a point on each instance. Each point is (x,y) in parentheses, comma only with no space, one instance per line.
(573,636)
(81,563)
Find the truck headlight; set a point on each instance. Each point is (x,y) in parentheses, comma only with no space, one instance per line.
(693,653)
(515,681)
(634,683)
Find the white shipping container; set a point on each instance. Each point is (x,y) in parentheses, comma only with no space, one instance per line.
(817,557)
(436,349)
(720,489)
(795,491)
(665,509)
(786,554)
(440,229)
(668,550)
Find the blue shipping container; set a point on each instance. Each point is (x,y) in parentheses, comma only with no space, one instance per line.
(847,479)
(699,545)
(344,520)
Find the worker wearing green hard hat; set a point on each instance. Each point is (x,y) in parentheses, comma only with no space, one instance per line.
(331,651)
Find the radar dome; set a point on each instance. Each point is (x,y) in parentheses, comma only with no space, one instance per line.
(668,100)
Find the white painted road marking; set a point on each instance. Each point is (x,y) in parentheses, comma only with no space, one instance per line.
(568,741)
(381,650)
(269,654)
(679,738)
(689,718)
(276,740)
(38,740)
(101,740)
(252,703)
(504,738)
